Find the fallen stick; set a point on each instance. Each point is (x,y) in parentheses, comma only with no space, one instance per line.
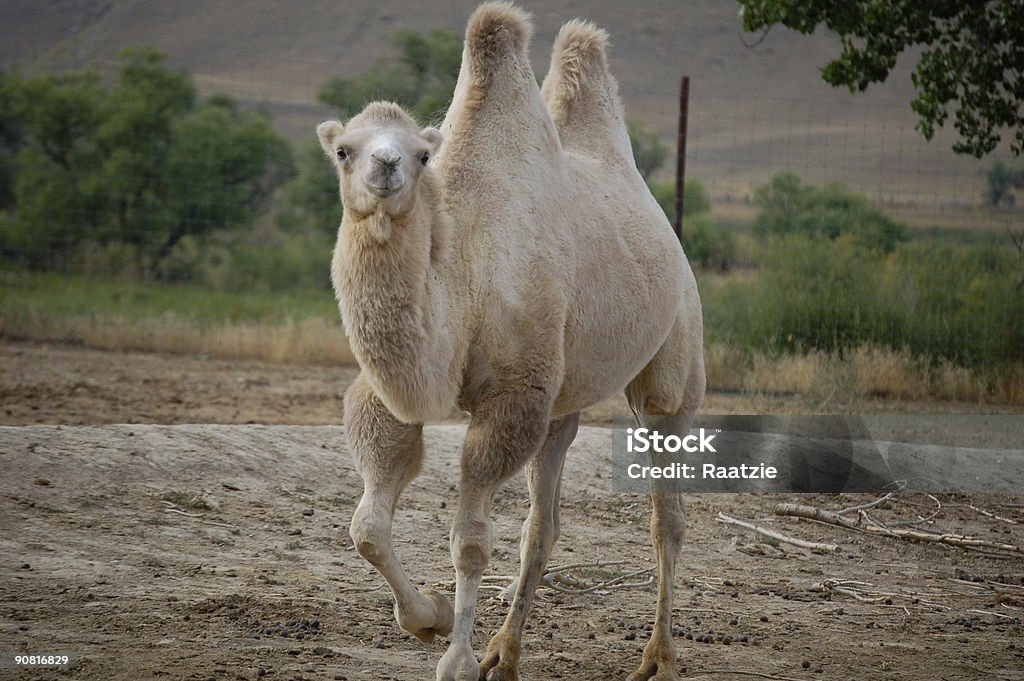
(948,538)
(817,547)
(902,484)
(198,517)
(760,675)
(817,514)
(992,515)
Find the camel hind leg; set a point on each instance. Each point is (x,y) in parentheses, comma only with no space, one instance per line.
(671,384)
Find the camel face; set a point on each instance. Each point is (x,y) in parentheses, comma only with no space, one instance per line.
(380,156)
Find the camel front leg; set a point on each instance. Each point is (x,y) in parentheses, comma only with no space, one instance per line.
(504,434)
(388,455)
(540,532)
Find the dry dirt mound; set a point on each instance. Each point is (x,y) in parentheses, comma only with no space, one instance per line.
(199,552)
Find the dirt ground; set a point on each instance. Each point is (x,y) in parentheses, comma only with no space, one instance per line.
(221,551)
(64,384)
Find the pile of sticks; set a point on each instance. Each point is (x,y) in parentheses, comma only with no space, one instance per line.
(860,519)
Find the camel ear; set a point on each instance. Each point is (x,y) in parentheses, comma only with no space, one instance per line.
(328,131)
(434,137)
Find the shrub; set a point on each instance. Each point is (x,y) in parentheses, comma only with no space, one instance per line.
(705,245)
(695,198)
(787,206)
(950,302)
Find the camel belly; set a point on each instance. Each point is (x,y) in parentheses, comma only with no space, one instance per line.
(615,332)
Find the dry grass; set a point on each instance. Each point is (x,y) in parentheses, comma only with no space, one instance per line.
(859,374)
(312,340)
(828,380)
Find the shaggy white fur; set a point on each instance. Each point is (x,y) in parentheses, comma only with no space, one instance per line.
(521,270)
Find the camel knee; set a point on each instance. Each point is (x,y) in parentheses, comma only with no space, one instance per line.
(371,536)
(471,548)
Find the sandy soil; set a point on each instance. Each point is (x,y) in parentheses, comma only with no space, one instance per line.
(45,383)
(94,564)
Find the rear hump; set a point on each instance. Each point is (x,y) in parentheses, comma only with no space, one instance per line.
(583,96)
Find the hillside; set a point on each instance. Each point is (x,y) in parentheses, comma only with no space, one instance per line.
(754,111)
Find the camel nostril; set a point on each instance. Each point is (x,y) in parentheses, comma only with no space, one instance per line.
(388,159)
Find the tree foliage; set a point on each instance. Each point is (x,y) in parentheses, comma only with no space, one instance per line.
(971,59)
(421,80)
(1000,183)
(140,162)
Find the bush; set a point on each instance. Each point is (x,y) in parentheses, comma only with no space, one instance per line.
(262,259)
(951,302)
(706,245)
(787,206)
(695,198)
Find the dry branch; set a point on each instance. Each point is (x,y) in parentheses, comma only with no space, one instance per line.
(992,515)
(947,538)
(740,672)
(817,547)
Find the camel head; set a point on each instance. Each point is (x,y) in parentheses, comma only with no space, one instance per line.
(381,156)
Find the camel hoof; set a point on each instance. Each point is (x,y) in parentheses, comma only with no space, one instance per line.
(458,664)
(501,661)
(501,673)
(444,614)
(654,671)
(440,624)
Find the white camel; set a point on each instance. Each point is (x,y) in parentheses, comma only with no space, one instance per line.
(522,271)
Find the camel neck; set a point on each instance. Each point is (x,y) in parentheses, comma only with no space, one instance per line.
(391,280)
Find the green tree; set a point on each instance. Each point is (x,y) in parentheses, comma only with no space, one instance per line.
(56,197)
(12,114)
(422,78)
(310,202)
(221,170)
(971,57)
(1000,181)
(139,163)
(135,139)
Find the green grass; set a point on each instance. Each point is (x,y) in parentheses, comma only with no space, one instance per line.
(59,295)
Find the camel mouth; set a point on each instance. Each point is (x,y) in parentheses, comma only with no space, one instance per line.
(382,192)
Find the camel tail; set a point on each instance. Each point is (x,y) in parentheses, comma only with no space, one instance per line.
(582,94)
(495,31)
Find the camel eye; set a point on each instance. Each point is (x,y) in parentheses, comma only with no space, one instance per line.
(342,154)
(424,158)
